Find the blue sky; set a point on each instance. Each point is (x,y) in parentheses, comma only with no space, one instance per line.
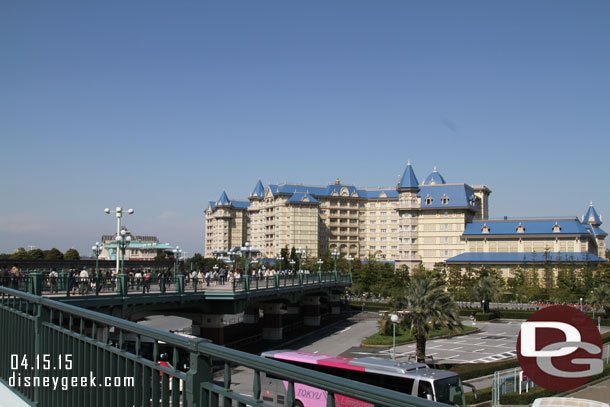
(161,106)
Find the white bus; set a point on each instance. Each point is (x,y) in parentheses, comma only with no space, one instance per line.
(415,379)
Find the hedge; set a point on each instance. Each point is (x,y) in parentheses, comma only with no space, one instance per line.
(369,306)
(473,370)
(482,395)
(486,316)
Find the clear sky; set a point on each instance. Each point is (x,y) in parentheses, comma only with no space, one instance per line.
(160,106)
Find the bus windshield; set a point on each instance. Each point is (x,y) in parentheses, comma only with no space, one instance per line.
(449,390)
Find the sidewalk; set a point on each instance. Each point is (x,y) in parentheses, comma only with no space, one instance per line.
(8,398)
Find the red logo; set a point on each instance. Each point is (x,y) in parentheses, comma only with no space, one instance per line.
(559,348)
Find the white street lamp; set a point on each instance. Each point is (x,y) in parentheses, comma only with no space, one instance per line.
(119,213)
(394,319)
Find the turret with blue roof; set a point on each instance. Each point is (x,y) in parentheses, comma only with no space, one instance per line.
(408,181)
(258,192)
(223,200)
(434,178)
(591,217)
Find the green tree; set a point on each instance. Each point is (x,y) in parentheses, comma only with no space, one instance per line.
(429,306)
(486,290)
(36,254)
(71,254)
(161,255)
(20,254)
(53,254)
(600,296)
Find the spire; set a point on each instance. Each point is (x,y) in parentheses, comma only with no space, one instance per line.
(434,178)
(223,200)
(259,190)
(408,179)
(591,217)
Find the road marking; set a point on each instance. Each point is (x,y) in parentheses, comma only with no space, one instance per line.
(346,329)
(479,344)
(478,350)
(459,347)
(451,357)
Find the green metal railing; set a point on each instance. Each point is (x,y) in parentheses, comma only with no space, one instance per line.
(39,283)
(42,333)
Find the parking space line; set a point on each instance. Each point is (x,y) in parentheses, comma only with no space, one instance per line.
(459,347)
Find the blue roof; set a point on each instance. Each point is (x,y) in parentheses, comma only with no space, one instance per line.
(597,231)
(240,204)
(530,227)
(302,197)
(434,178)
(290,189)
(591,216)
(513,257)
(408,179)
(259,190)
(223,200)
(457,196)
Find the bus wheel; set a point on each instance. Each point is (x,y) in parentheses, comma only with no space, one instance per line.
(298,403)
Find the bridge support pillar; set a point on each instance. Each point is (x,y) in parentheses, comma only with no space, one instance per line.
(272,321)
(210,326)
(251,315)
(335,304)
(293,309)
(311,311)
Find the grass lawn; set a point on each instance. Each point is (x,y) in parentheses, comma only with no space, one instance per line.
(405,336)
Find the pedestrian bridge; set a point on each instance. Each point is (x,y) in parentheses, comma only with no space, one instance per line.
(57,354)
(205,303)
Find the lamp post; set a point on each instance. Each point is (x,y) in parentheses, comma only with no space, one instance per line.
(349,262)
(394,319)
(299,252)
(320,262)
(97,250)
(123,240)
(292,263)
(580,301)
(483,303)
(335,254)
(177,252)
(119,213)
(246,251)
(279,262)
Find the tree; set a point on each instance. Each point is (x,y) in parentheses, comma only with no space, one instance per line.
(53,254)
(161,255)
(20,254)
(36,254)
(600,296)
(429,306)
(71,254)
(486,290)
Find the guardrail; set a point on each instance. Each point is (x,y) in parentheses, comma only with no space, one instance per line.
(47,341)
(66,285)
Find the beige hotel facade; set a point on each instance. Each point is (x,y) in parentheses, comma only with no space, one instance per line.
(410,223)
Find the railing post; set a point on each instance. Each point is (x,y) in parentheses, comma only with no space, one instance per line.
(319,276)
(276,281)
(122,281)
(162,284)
(300,279)
(42,315)
(35,286)
(336,276)
(200,370)
(180,283)
(246,282)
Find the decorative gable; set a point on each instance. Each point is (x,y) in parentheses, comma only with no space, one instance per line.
(520,228)
(556,228)
(485,228)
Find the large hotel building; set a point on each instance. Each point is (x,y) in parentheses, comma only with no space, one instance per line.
(410,224)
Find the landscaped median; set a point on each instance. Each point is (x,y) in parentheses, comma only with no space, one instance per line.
(404,337)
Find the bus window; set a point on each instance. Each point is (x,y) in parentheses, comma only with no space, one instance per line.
(401,384)
(449,390)
(425,390)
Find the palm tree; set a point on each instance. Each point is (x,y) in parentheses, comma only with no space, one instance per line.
(428,305)
(600,296)
(486,290)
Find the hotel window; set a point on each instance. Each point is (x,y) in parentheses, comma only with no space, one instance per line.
(394,239)
(446,252)
(372,222)
(445,200)
(428,200)
(383,239)
(372,247)
(485,229)
(520,228)
(383,222)
(394,205)
(394,247)
(383,230)
(382,247)
(362,230)
(372,205)
(446,226)
(372,239)
(446,214)
(446,240)
(383,204)
(556,228)
(373,230)
(413,241)
(383,213)
(394,230)
(373,213)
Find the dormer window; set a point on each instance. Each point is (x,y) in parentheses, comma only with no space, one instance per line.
(428,200)
(520,228)
(485,228)
(445,199)
(556,228)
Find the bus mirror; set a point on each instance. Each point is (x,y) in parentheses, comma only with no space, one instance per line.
(474,389)
(429,396)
